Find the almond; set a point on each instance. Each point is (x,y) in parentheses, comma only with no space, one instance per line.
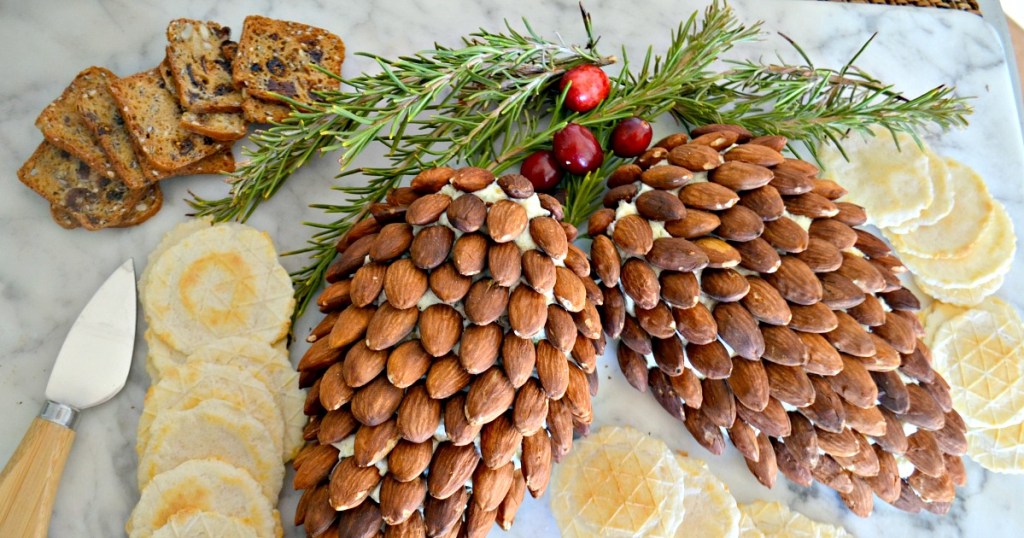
(711,360)
(625,174)
(695,157)
(679,289)
(491,485)
(720,254)
(740,174)
(516,186)
(923,411)
(708,196)
(633,235)
(350,484)
(849,337)
(440,327)
(320,355)
(862,273)
(803,439)
(828,189)
(851,214)
(431,246)
(938,489)
(789,384)
(705,432)
(783,346)
(793,177)
(392,241)
(695,223)
(569,290)
(513,499)
(724,285)
(651,157)
(404,284)
(537,462)
(560,329)
(669,354)
(471,179)
(362,364)
(402,196)
(898,332)
(758,255)
(854,383)
(485,302)
(506,220)
(956,470)
(866,420)
(584,353)
(892,392)
(677,254)
(388,213)
(821,256)
(577,261)
(599,221)
(367,284)
(833,231)
(552,369)
(864,462)
(814,318)
(622,193)
(822,358)
(664,394)
(432,180)
(765,303)
(951,437)
(657,321)
(894,440)
(407,363)
(427,209)
(918,364)
(764,201)
(551,205)
(742,134)
(924,453)
(696,324)
(407,461)
(613,312)
(641,283)
(447,284)
(633,367)
(660,205)
(671,141)
(470,254)
(443,518)
(744,438)
(311,406)
(451,467)
(490,395)
(539,271)
(666,177)
(505,263)
(796,282)
(351,258)
(838,292)
(527,311)
(859,500)
(389,326)
(316,466)
(827,410)
(530,408)
(399,500)
(811,205)
(739,329)
(366,227)
(870,312)
(776,142)
(335,296)
(772,420)
(376,402)
(892,282)
(885,358)
(456,425)
(373,443)
(766,468)
(828,472)
(334,391)
(446,377)
(518,357)
(467,213)
(786,235)
(479,347)
(718,140)
(499,441)
(749,383)
(335,426)
(939,390)
(606,261)
(739,223)
(418,415)
(549,236)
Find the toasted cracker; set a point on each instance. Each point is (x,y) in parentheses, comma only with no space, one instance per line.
(185,387)
(204,525)
(212,429)
(953,235)
(891,182)
(618,482)
(203,486)
(219,282)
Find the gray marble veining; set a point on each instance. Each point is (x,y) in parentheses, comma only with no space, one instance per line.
(47,274)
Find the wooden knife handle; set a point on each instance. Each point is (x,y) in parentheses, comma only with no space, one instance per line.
(28,484)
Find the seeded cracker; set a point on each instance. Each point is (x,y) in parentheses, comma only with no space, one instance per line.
(204,525)
(62,125)
(221,126)
(201,71)
(212,429)
(203,485)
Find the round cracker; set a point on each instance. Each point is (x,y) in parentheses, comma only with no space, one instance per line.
(952,235)
(942,203)
(162,357)
(203,486)
(748,529)
(618,482)
(204,525)
(938,314)
(891,182)
(963,296)
(271,367)
(989,257)
(979,353)
(710,510)
(219,282)
(775,520)
(217,430)
(191,384)
(998,449)
(171,238)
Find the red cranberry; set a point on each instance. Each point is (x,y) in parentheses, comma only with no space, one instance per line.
(589,87)
(631,137)
(542,170)
(577,150)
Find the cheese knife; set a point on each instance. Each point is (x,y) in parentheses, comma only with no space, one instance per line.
(91,368)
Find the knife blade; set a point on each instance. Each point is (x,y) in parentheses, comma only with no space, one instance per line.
(91,368)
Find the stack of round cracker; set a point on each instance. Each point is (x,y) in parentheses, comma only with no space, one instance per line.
(621,482)
(225,409)
(980,351)
(938,214)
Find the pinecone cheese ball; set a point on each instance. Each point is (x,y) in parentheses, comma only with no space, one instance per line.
(454,363)
(747,301)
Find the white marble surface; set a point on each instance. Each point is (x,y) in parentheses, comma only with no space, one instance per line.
(47,274)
